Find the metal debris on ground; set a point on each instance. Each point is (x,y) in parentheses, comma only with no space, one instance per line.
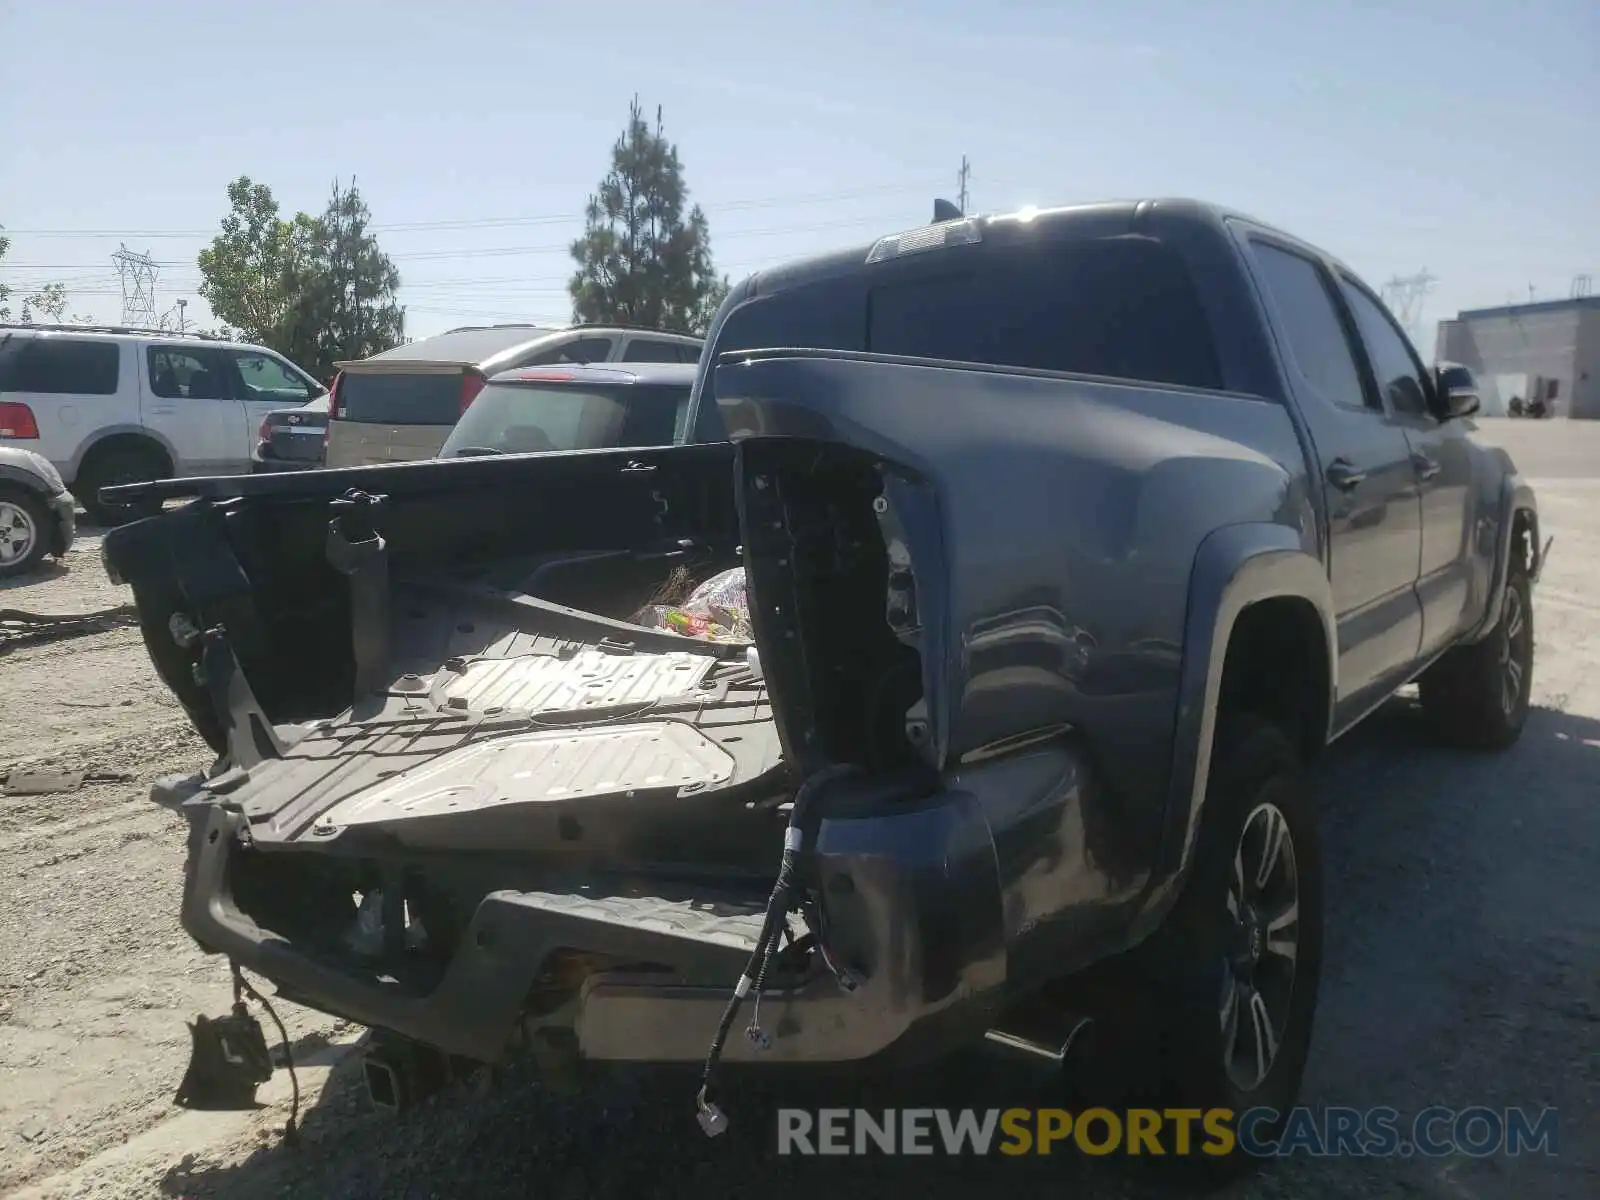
(39,782)
(21,628)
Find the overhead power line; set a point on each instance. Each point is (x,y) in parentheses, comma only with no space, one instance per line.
(796,200)
(506,251)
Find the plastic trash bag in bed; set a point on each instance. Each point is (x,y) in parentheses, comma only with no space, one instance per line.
(716,611)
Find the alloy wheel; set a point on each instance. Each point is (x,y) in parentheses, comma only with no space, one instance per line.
(1263,900)
(17,533)
(1513,653)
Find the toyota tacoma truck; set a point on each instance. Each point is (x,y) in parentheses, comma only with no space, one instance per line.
(1071,538)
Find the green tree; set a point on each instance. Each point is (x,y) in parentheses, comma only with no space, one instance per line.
(253,273)
(347,302)
(315,289)
(642,260)
(50,302)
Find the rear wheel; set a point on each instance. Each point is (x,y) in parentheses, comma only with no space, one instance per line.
(1477,696)
(1215,1009)
(112,466)
(24,531)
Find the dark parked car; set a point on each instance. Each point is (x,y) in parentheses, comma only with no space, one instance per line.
(292,439)
(1071,539)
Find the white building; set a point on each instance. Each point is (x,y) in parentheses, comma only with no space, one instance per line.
(1549,350)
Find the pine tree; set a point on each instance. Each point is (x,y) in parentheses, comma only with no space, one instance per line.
(349,300)
(641,261)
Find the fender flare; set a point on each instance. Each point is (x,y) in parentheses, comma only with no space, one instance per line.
(1516,498)
(1234,567)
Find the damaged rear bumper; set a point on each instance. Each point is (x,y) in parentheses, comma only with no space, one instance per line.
(912,909)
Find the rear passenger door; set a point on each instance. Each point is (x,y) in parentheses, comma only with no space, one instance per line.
(1441,458)
(1365,474)
(189,400)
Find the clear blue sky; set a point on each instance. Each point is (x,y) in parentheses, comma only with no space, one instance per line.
(1452,136)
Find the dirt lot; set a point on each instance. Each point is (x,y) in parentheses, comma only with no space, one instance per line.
(1463,964)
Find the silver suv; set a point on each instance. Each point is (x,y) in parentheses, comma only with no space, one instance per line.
(109,405)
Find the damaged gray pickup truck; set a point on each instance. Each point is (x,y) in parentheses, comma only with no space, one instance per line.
(1070,539)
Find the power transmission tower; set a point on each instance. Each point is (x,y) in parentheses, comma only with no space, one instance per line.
(138,275)
(1404,295)
(961,177)
(1582,285)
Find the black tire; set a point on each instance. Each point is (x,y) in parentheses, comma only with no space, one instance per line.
(113,466)
(1202,1053)
(1476,697)
(25,522)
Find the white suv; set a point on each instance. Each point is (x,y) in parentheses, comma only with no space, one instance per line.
(108,405)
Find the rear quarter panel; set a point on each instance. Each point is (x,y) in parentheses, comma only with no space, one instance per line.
(1069,513)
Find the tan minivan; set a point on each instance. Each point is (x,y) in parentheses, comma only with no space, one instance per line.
(400,405)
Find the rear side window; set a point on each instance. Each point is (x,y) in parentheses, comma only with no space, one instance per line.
(1394,362)
(1120,307)
(399,399)
(644,350)
(60,366)
(583,350)
(181,373)
(1311,324)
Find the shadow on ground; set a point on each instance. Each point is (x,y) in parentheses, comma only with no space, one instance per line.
(1456,971)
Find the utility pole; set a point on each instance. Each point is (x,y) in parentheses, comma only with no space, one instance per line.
(182,322)
(961,177)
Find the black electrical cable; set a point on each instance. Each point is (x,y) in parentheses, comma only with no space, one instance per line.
(291,1128)
(711,1117)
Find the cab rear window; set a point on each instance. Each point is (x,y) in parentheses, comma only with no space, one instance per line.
(1123,307)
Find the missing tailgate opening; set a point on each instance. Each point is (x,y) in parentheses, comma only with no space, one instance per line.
(834,603)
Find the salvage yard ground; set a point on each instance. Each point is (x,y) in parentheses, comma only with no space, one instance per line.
(1462,963)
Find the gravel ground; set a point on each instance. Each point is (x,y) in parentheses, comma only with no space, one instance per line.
(1462,966)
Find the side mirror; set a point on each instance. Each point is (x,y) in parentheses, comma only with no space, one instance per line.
(1456,390)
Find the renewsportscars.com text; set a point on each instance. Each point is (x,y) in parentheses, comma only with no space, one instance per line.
(1436,1132)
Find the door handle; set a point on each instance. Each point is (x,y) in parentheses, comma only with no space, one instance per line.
(1426,467)
(1343,475)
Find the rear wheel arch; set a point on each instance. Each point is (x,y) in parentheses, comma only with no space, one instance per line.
(1517,545)
(121,457)
(1279,667)
(1256,590)
(131,440)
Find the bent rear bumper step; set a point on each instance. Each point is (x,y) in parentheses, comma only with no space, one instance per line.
(912,904)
